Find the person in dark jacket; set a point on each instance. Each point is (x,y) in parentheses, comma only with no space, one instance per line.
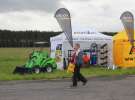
(78,61)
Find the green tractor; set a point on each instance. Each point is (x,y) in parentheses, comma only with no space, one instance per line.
(39,61)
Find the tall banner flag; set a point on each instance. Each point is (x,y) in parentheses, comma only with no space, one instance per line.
(63,17)
(127,19)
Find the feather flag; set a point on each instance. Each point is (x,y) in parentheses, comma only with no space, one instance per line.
(64,19)
(127,19)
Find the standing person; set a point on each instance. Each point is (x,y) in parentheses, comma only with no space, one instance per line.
(77,60)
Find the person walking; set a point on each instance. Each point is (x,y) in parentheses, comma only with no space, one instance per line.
(77,60)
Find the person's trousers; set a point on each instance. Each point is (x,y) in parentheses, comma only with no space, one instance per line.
(77,76)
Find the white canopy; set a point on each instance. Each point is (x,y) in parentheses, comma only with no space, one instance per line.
(82,35)
(85,37)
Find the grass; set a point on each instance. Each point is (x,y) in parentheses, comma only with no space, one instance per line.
(11,57)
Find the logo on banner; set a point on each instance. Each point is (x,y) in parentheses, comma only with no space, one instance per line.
(132,51)
(62,16)
(85,32)
(128,18)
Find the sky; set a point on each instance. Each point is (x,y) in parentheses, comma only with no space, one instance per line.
(102,15)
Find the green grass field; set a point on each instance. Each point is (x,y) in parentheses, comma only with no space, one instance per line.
(11,57)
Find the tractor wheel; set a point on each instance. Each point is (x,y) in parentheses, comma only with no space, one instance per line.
(36,70)
(49,69)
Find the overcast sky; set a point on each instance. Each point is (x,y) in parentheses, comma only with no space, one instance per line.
(103,15)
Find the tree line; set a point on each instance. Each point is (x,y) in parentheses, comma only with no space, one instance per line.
(28,38)
(24,38)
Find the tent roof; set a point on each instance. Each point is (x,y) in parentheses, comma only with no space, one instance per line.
(84,34)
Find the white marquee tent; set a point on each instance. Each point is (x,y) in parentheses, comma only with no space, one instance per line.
(86,37)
